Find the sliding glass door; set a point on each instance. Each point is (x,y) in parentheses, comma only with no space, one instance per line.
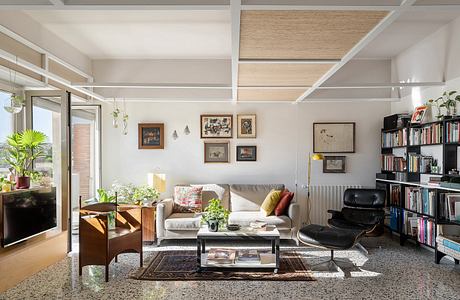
(86,156)
(48,112)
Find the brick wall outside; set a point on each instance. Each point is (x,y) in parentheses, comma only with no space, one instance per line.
(82,156)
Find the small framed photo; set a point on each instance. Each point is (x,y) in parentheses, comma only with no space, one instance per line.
(334,164)
(216,152)
(151,136)
(216,126)
(334,137)
(419,114)
(246,153)
(246,126)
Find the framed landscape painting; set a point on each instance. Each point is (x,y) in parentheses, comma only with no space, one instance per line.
(151,136)
(334,164)
(246,126)
(246,153)
(216,152)
(338,137)
(216,126)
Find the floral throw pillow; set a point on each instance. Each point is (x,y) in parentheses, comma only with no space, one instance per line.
(187,199)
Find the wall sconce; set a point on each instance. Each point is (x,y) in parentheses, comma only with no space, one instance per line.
(175,135)
(186,130)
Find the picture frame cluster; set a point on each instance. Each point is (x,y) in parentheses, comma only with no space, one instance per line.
(220,126)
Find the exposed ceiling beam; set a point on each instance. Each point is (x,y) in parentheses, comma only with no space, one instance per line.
(151,85)
(29,66)
(113,7)
(319,7)
(316,100)
(39,49)
(389,19)
(235,12)
(289,61)
(58,3)
(381,85)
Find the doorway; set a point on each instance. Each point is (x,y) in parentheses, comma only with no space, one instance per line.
(85,159)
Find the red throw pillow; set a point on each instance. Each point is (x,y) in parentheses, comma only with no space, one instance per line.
(285,200)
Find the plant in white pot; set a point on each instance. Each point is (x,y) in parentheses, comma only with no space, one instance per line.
(215,215)
(23,148)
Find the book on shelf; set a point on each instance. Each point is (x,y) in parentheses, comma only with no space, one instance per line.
(248,256)
(449,207)
(394,139)
(410,223)
(420,200)
(452,132)
(419,163)
(395,194)
(431,134)
(394,218)
(448,240)
(221,256)
(426,231)
(393,163)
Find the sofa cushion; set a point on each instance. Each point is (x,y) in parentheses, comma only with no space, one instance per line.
(249,197)
(283,204)
(245,217)
(183,221)
(270,202)
(210,191)
(187,199)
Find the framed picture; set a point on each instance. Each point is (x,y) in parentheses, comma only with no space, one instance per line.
(334,164)
(216,126)
(334,137)
(246,126)
(246,153)
(151,136)
(216,152)
(419,114)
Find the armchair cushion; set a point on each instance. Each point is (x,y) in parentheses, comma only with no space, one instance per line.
(183,221)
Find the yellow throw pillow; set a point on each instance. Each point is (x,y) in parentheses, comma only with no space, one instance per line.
(270,202)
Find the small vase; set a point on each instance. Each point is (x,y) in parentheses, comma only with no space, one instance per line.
(213,225)
(115,122)
(453,110)
(22,182)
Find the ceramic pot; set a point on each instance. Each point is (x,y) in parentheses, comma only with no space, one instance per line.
(213,225)
(22,182)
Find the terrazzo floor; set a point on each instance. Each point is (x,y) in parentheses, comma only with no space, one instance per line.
(388,272)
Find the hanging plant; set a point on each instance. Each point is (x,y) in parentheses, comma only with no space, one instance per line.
(125,123)
(115,114)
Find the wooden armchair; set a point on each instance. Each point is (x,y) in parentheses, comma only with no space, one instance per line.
(99,244)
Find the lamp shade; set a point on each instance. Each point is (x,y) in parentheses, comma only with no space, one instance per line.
(158,181)
(317,156)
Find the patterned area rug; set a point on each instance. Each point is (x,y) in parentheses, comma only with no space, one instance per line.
(181,265)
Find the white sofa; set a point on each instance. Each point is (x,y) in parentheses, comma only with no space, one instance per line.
(243,201)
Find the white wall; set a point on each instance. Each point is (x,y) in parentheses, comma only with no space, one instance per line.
(435,58)
(284,133)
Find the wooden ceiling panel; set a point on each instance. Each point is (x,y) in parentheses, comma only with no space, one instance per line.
(280,74)
(303,34)
(268,95)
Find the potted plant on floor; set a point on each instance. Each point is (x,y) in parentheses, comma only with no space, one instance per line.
(215,215)
(23,148)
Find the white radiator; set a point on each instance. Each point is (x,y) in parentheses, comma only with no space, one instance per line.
(324,197)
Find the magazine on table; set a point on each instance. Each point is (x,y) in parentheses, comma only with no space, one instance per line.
(248,256)
(221,256)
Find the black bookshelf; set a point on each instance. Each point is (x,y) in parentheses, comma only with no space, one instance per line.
(449,159)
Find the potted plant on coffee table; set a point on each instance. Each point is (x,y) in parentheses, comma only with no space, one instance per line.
(23,148)
(215,215)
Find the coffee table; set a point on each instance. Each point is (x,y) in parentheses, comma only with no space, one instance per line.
(244,234)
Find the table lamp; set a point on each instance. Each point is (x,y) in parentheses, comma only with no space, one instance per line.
(157,181)
(314,156)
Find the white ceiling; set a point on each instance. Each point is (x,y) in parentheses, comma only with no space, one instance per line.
(146,34)
(410,28)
